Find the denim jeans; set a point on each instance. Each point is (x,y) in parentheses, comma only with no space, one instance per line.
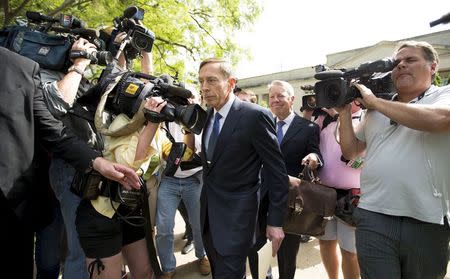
(171,191)
(61,175)
(48,247)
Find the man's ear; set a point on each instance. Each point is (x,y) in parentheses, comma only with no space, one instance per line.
(232,83)
(433,67)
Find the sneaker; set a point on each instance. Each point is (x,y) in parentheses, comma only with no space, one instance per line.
(305,238)
(167,275)
(188,247)
(203,266)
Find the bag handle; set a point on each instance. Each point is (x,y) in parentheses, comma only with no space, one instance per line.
(309,174)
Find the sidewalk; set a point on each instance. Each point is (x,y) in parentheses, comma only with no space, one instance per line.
(309,263)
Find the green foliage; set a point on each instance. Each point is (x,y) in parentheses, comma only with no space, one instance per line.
(187,31)
(437,79)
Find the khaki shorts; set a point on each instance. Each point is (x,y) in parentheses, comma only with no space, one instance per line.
(343,233)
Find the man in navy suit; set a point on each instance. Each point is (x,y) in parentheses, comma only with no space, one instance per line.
(238,139)
(299,144)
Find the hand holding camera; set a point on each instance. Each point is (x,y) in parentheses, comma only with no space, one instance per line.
(82,45)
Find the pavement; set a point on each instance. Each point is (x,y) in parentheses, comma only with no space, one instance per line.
(309,263)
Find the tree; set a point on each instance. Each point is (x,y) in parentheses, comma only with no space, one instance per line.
(186,30)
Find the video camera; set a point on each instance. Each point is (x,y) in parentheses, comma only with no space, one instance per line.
(141,38)
(127,94)
(48,40)
(335,86)
(74,28)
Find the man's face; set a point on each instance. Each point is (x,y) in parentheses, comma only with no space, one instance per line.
(280,102)
(413,72)
(214,86)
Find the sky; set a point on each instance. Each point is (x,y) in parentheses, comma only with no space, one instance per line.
(293,34)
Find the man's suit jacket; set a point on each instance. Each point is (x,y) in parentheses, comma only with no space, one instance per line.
(301,138)
(230,194)
(24,116)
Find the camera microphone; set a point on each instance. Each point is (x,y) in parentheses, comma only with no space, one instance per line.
(368,68)
(443,20)
(130,12)
(36,16)
(87,33)
(329,74)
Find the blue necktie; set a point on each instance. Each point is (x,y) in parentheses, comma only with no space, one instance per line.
(214,135)
(280,125)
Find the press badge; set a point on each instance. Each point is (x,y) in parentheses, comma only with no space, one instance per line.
(356,163)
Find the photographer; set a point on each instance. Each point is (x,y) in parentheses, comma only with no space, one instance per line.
(182,186)
(61,91)
(402,218)
(22,113)
(343,175)
(109,229)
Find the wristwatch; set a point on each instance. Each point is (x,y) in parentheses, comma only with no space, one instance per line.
(185,132)
(74,68)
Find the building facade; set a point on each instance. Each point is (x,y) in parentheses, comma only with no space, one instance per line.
(345,59)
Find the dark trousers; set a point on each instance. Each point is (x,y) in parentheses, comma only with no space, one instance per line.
(254,265)
(223,267)
(400,247)
(287,256)
(16,240)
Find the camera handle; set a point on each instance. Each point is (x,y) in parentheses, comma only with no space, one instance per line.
(123,44)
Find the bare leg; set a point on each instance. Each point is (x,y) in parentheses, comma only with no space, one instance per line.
(350,267)
(328,253)
(137,258)
(105,268)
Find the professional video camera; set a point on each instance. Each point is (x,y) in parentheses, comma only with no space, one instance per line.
(74,28)
(141,38)
(48,40)
(335,86)
(309,102)
(130,91)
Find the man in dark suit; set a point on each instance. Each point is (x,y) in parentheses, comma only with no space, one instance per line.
(299,144)
(22,111)
(238,139)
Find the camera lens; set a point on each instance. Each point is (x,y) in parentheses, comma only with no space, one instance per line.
(333,92)
(311,102)
(140,42)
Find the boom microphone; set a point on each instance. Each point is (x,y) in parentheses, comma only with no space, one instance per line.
(329,74)
(444,19)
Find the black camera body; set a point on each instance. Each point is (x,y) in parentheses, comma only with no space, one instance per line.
(131,91)
(335,86)
(128,93)
(141,38)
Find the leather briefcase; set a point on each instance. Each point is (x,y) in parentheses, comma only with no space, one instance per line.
(310,206)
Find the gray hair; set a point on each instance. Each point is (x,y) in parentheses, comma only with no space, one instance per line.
(286,85)
(225,66)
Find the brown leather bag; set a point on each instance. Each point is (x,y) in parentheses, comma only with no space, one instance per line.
(310,206)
